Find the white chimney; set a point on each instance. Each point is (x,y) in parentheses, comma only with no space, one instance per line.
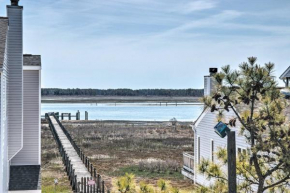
(15,76)
(210,82)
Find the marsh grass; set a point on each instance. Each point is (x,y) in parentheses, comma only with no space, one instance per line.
(52,166)
(147,173)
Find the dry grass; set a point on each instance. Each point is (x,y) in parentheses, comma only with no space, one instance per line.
(51,164)
(114,148)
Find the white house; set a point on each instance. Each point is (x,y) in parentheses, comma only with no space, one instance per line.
(206,141)
(20,75)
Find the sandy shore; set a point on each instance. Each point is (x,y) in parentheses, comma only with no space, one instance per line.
(117,99)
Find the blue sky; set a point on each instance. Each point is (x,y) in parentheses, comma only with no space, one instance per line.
(151,43)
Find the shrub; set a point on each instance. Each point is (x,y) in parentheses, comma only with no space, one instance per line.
(159,166)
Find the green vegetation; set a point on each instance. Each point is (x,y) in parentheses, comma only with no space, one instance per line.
(147,174)
(62,187)
(51,165)
(253,92)
(122,92)
(127,184)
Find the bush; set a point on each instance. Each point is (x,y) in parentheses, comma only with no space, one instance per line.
(159,166)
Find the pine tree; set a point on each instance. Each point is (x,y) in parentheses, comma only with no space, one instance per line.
(251,93)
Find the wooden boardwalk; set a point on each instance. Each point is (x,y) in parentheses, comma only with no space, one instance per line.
(77,163)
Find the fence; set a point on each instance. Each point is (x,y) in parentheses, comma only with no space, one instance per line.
(69,116)
(94,184)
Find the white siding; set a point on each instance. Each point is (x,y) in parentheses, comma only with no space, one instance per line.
(4,165)
(15,77)
(30,153)
(206,86)
(4,168)
(209,85)
(205,130)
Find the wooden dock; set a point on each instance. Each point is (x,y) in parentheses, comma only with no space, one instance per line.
(81,172)
(77,164)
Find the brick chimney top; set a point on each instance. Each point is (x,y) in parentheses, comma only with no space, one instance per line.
(14,2)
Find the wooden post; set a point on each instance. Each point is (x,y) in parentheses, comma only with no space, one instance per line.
(85,185)
(232,175)
(69,116)
(86,115)
(88,187)
(77,115)
(82,184)
(91,187)
(76,183)
(98,182)
(103,186)
(91,169)
(62,116)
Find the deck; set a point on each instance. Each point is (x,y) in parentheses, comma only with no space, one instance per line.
(188,165)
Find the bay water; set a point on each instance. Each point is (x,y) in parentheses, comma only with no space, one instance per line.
(127,111)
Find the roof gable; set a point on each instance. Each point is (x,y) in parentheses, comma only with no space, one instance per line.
(286,74)
(3,38)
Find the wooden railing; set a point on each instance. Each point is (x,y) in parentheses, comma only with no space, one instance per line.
(81,186)
(188,161)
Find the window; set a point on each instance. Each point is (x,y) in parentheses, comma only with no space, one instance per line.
(198,149)
(212,150)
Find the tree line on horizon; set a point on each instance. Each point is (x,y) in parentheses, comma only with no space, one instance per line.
(122,92)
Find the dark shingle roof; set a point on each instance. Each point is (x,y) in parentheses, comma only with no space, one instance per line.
(3,37)
(25,178)
(31,60)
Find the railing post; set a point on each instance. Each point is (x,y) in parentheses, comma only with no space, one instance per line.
(75,183)
(91,169)
(82,185)
(86,115)
(85,185)
(99,185)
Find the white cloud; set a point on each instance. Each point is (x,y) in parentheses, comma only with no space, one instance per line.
(147,43)
(198,5)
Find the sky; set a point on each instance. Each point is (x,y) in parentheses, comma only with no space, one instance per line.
(151,43)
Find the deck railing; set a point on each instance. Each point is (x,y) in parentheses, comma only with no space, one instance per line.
(82,186)
(188,161)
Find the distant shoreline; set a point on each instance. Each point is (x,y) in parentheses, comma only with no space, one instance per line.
(118,99)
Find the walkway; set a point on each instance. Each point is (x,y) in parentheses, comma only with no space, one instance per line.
(77,164)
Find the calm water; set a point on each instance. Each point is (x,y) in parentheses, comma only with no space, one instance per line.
(125,111)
